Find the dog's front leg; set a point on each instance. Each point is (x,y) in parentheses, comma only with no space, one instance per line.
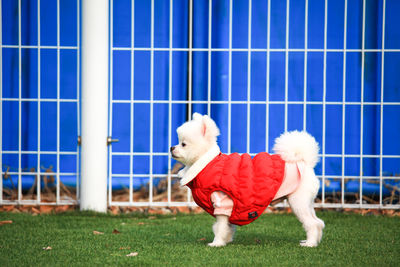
(223,231)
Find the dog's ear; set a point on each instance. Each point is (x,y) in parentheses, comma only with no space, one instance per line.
(209,128)
(197,116)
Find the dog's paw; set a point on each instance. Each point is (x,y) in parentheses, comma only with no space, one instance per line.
(306,243)
(217,244)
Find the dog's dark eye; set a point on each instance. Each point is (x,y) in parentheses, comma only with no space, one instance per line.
(183,144)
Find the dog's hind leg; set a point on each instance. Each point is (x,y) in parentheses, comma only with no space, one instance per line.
(311,225)
(321,223)
(301,202)
(223,231)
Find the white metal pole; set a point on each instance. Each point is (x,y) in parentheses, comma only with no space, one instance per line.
(95,77)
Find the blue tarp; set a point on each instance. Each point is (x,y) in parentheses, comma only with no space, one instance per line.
(356,90)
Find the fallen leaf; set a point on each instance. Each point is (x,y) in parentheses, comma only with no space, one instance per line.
(202,239)
(24,208)
(155,211)
(62,208)
(47,248)
(115,210)
(140,223)
(98,233)
(132,254)
(8,208)
(152,217)
(6,222)
(121,248)
(46,209)
(35,211)
(115,231)
(183,209)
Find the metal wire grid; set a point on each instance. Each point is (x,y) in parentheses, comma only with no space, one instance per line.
(344,104)
(189,102)
(59,152)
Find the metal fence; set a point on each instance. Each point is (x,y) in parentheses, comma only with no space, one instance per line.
(39,102)
(259,68)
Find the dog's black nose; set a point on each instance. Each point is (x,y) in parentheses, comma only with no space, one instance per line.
(171,148)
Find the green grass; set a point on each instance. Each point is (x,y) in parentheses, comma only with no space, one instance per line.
(272,240)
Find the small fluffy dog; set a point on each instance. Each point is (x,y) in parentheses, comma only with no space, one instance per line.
(236,189)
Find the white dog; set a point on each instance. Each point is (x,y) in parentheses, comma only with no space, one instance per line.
(236,188)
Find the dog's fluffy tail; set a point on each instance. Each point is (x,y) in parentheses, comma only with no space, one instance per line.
(297,146)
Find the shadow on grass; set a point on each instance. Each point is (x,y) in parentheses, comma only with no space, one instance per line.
(254,239)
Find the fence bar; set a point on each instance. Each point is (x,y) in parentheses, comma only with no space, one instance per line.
(362,103)
(166,154)
(230,78)
(355,177)
(42,152)
(41,99)
(38,176)
(55,47)
(58,104)
(132,121)
(255,102)
(1,104)
(305,66)
(344,102)
(381,108)
(190,69)
(151,103)
(95,73)
(248,80)
(393,50)
(171,6)
(267,79)
(190,59)
(31,202)
(78,97)
(324,101)
(110,105)
(209,57)
(19,101)
(286,64)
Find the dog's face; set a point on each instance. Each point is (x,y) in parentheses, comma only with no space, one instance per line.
(196,137)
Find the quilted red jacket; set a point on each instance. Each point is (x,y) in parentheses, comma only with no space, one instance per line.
(251,183)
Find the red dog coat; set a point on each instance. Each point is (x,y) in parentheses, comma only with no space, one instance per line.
(251,183)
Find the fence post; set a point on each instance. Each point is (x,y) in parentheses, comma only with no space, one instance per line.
(95,78)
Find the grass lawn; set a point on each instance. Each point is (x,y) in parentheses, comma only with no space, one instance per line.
(272,240)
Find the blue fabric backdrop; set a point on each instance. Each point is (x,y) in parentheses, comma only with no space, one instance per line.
(121,79)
